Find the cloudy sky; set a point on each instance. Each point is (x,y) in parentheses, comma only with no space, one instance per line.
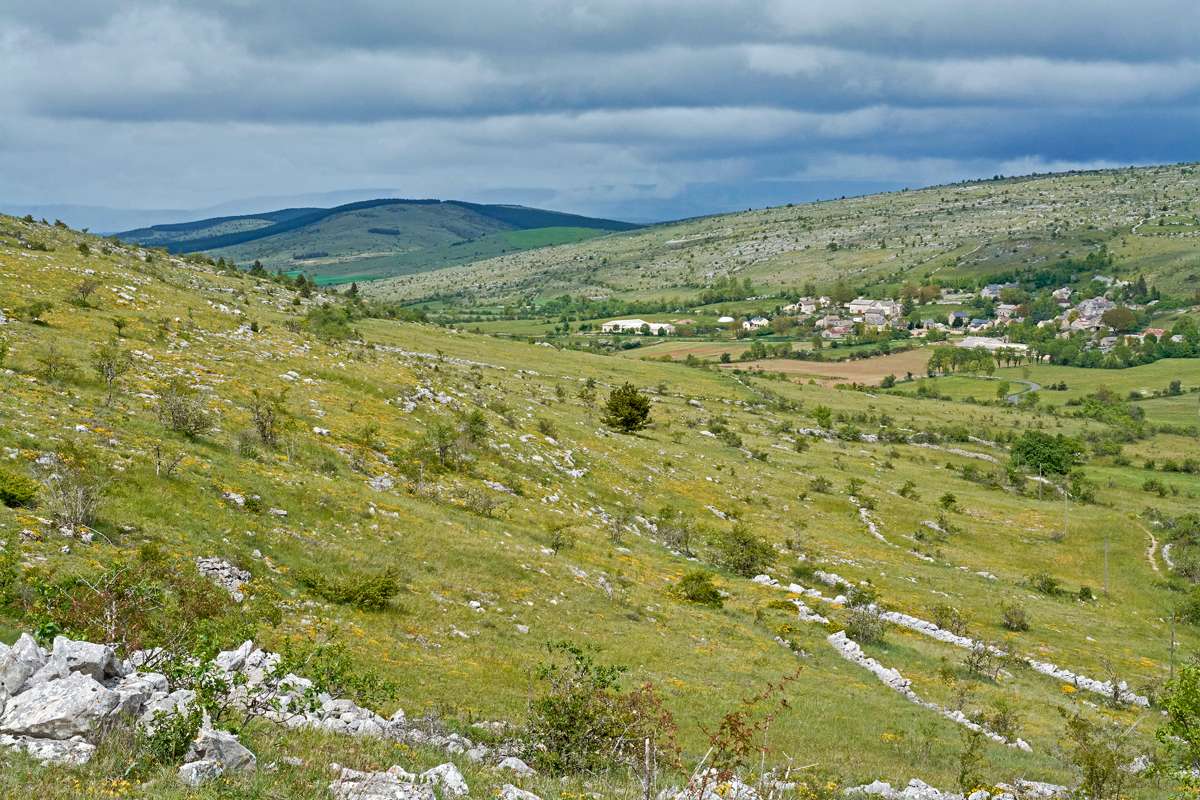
(642,109)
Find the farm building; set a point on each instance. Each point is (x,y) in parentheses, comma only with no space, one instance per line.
(638,326)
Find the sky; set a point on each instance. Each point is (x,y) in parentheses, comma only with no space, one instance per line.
(635,109)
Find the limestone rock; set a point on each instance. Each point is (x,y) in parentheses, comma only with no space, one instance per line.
(448,778)
(71,752)
(510,792)
(60,709)
(18,663)
(197,773)
(515,765)
(225,575)
(354,785)
(223,748)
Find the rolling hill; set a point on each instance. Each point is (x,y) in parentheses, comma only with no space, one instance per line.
(375,238)
(419,511)
(1148,218)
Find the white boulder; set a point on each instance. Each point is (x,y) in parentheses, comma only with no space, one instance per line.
(70,706)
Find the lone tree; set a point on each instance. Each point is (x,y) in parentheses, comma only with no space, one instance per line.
(627,409)
(1053,455)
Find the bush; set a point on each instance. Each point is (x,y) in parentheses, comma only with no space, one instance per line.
(269,411)
(582,722)
(949,618)
(741,552)
(865,625)
(1036,451)
(1045,583)
(10,570)
(627,409)
(369,592)
(334,670)
(1014,618)
(697,587)
(73,497)
(166,740)
(16,489)
(181,408)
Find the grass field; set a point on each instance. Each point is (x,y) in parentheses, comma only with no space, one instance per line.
(476,561)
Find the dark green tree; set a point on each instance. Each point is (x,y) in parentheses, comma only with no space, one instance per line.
(627,409)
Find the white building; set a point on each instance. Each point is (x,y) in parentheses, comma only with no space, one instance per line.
(755,323)
(860,306)
(990,343)
(638,326)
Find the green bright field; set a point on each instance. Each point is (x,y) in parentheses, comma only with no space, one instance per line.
(543,554)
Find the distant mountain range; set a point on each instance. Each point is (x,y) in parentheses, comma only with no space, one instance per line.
(373,238)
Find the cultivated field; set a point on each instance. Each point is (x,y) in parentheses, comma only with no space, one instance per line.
(868,371)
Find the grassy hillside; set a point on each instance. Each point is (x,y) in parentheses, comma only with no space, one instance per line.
(375,238)
(511,516)
(1148,218)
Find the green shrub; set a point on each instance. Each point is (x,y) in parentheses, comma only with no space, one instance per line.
(335,671)
(865,625)
(582,722)
(16,489)
(741,552)
(171,735)
(367,591)
(10,570)
(697,587)
(1014,618)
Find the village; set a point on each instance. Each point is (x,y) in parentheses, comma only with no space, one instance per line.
(1002,318)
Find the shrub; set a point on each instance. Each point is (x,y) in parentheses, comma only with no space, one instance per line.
(10,570)
(1050,455)
(741,552)
(1045,583)
(697,587)
(1014,618)
(268,412)
(627,409)
(582,722)
(865,625)
(369,592)
(72,497)
(181,408)
(166,740)
(16,489)
(948,618)
(334,670)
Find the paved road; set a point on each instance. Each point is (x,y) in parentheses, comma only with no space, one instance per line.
(1030,386)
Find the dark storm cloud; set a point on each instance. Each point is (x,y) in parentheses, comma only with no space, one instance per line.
(589,105)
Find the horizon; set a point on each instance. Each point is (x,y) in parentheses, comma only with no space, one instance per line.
(263,205)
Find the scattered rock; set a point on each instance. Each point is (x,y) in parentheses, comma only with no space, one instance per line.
(197,773)
(515,765)
(225,575)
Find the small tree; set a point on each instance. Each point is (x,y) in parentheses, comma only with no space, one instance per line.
(54,363)
(268,410)
(741,552)
(110,363)
(627,409)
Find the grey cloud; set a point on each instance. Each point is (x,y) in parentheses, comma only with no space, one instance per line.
(589,103)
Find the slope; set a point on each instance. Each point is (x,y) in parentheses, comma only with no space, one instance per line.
(371,238)
(1148,218)
(476,472)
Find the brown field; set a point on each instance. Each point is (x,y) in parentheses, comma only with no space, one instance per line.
(867,370)
(681,350)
